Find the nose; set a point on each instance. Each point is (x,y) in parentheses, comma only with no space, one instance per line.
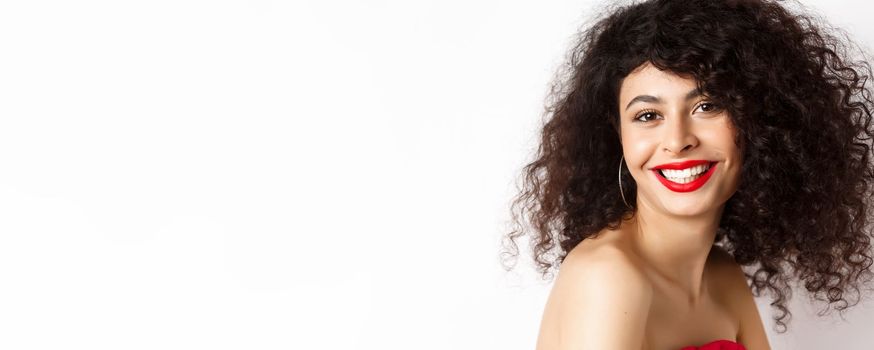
(678,137)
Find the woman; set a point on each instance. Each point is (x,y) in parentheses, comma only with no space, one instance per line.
(740,132)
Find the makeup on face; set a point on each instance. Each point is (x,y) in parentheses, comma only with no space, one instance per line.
(685,176)
(676,140)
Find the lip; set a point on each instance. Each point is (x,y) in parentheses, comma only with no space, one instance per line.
(683,165)
(686,187)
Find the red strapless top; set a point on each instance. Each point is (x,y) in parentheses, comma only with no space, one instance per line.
(717,345)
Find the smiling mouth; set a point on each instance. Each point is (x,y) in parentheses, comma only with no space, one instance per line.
(678,177)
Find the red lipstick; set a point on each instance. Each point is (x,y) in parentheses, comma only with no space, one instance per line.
(683,164)
(686,187)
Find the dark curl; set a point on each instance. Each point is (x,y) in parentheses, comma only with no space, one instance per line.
(803,113)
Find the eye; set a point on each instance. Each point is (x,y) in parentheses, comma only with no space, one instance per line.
(708,107)
(644,114)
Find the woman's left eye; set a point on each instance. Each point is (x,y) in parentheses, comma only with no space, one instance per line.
(710,107)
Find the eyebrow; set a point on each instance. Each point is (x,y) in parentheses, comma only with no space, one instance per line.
(653,99)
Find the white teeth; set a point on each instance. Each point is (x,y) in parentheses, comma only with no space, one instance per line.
(685,179)
(685,175)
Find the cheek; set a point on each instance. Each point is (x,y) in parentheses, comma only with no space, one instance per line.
(724,141)
(638,149)
(722,136)
(730,134)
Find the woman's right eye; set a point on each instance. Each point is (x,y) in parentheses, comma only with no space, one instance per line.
(643,116)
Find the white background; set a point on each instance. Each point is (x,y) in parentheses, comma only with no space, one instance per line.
(273,175)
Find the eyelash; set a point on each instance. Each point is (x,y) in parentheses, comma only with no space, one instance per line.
(648,111)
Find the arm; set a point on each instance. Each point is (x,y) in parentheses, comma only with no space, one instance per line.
(597,302)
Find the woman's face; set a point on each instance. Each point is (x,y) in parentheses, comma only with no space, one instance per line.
(665,122)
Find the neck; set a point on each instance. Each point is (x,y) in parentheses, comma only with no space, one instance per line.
(675,247)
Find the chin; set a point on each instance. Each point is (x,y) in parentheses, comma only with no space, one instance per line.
(690,208)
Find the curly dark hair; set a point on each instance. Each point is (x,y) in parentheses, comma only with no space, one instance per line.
(803,114)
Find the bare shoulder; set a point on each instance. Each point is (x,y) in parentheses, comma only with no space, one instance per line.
(738,298)
(600,300)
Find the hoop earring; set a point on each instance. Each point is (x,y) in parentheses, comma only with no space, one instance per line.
(621,192)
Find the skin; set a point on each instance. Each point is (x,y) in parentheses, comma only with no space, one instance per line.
(660,284)
(674,231)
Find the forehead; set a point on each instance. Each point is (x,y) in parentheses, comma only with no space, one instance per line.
(649,80)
